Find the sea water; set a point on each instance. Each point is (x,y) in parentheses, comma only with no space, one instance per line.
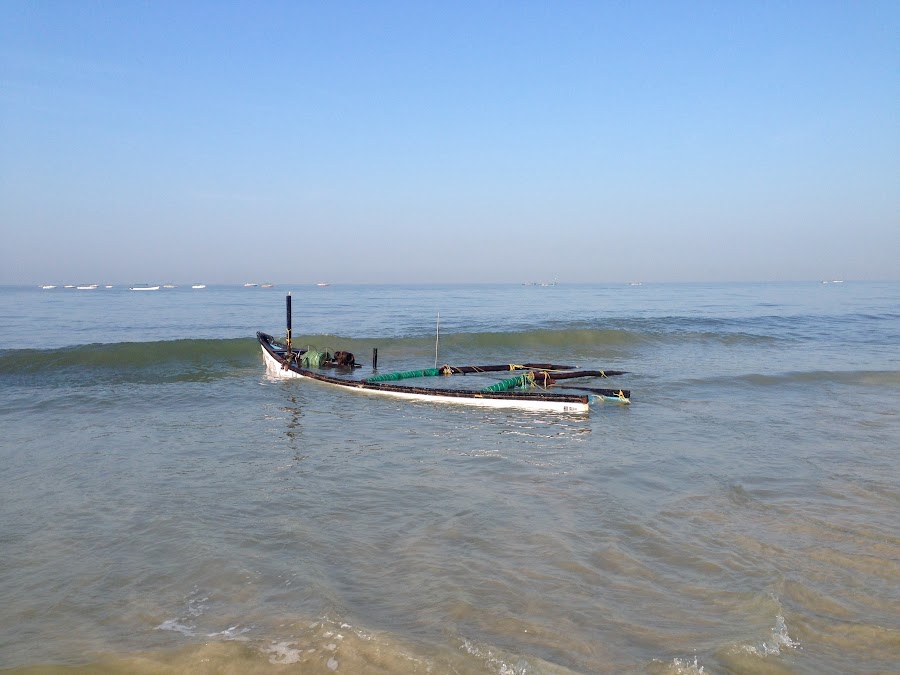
(166,507)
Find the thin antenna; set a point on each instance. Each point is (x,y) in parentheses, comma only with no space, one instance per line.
(437,338)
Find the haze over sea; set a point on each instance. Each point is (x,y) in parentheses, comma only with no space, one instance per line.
(166,507)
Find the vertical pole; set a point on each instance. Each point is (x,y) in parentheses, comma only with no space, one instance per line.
(375,358)
(288,307)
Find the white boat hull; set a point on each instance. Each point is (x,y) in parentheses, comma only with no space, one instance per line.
(275,371)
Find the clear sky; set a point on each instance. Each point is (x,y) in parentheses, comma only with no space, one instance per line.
(429,141)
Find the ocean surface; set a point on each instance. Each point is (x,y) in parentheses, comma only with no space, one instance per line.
(164,507)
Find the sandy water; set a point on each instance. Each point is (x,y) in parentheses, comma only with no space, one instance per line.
(164,506)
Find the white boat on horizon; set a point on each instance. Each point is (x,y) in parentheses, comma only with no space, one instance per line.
(199,286)
(143,288)
(48,287)
(250,284)
(323,283)
(169,286)
(87,287)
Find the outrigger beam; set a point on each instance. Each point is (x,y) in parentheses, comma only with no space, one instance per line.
(544,372)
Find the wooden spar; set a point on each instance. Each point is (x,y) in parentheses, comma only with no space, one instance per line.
(545,373)
(454,370)
(545,379)
(583,373)
(552,371)
(609,393)
(462,370)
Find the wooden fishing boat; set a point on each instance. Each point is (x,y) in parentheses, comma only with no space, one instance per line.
(534,386)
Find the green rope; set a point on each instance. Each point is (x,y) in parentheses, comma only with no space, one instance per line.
(523,380)
(313,359)
(405,375)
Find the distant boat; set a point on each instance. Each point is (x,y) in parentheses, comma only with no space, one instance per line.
(268,286)
(108,285)
(47,287)
(169,286)
(323,283)
(69,286)
(143,288)
(199,286)
(87,287)
(250,285)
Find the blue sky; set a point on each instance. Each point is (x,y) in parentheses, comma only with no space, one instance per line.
(409,142)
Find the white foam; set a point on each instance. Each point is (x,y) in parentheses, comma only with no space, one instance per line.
(176,626)
(773,646)
(493,661)
(332,663)
(282,653)
(684,667)
(231,633)
(196,605)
